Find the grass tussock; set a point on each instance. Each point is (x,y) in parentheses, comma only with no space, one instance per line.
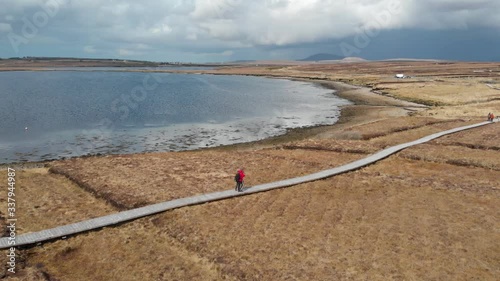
(383,215)
(45,200)
(137,180)
(334,145)
(455,155)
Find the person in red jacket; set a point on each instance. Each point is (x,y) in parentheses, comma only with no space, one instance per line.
(240,175)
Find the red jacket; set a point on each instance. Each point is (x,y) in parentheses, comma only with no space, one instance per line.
(242,175)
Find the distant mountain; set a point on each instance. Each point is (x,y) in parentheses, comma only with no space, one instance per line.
(319,57)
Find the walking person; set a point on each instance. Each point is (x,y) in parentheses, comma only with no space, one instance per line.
(240,175)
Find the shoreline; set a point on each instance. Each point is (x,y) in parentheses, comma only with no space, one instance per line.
(366,107)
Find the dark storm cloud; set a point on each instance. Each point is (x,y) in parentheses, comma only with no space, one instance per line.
(221,29)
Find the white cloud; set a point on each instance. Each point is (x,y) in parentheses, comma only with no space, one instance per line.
(284,22)
(221,29)
(204,9)
(451,14)
(230,24)
(161,29)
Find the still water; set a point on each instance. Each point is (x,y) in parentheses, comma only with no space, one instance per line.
(56,114)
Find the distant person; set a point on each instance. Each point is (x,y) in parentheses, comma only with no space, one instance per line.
(489,116)
(240,175)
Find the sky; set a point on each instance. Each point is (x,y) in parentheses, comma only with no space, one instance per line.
(228,30)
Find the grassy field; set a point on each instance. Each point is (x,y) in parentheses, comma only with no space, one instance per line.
(427,213)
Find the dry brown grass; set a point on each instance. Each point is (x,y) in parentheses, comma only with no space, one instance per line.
(392,125)
(136,251)
(429,213)
(486,138)
(461,111)
(29,274)
(45,200)
(415,69)
(343,146)
(419,132)
(456,155)
(395,220)
(442,91)
(138,180)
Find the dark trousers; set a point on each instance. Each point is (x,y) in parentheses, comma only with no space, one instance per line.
(239,186)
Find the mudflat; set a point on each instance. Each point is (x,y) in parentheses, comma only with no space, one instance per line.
(427,213)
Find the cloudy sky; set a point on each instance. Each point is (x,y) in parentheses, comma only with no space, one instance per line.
(225,30)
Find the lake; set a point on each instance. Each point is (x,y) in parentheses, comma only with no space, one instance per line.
(57,114)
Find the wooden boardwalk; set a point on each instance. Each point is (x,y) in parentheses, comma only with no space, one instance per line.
(75,228)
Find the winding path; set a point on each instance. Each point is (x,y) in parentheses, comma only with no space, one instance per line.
(96,223)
